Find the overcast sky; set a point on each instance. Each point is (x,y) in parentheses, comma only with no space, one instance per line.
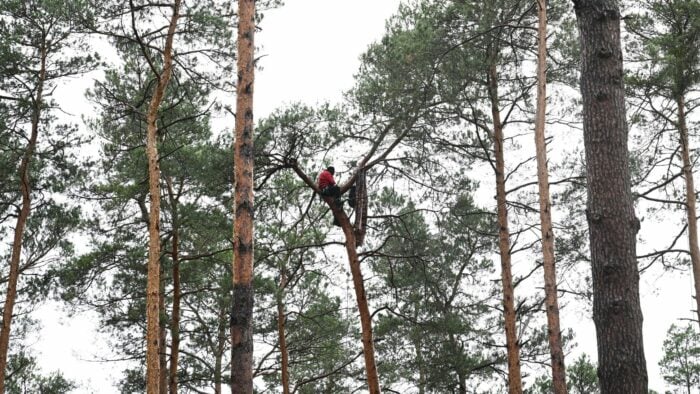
(311,50)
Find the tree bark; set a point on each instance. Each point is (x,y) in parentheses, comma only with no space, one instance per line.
(691,211)
(515,385)
(163,384)
(25,189)
(550,274)
(219,351)
(153,282)
(177,294)
(612,223)
(360,295)
(281,331)
(242,312)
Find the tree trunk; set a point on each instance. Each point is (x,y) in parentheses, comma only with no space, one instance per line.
(281,332)
(612,224)
(25,188)
(153,282)
(163,384)
(360,295)
(419,361)
(219,351)
(514,379)
(177,293)
(242,312)
(690,199)
(550,274)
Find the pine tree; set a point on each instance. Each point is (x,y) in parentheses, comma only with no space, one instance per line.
(613,226)
(242,313)
(40,44)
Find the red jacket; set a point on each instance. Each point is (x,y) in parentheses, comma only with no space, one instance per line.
(325,179)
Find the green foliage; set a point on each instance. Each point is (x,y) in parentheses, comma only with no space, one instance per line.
(24,376)
(432,287)
(668,39)
(680,365)
(581,378)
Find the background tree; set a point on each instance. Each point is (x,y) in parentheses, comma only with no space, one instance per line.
(41,48)
(581,378)
(664,41)
(680,364)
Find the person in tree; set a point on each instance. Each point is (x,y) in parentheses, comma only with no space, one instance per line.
(328,187)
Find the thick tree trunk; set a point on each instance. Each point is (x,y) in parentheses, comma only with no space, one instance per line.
(177,294)
(550,274)
(691,211)
(242,312)
(612,224)
(515,385)
(25,188)
(153,282)
(360,295)
(281,332)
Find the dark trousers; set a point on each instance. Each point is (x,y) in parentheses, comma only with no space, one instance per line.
(332,191)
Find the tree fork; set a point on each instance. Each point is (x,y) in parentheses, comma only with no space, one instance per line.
(153,282)
(612,223)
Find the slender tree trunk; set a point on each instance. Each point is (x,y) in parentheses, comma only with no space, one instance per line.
(360,295)
(515,385)
(612,223)
(219,352)
(691,211)
(25,188)
(550,274)
(175,323)
(163,384)
(153,282)
(462,384)
(177,293)
(242,313)
(419,362)
(281,331)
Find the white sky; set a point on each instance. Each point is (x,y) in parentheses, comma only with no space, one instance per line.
(311,50)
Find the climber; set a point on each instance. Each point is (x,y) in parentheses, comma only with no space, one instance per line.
(328,187)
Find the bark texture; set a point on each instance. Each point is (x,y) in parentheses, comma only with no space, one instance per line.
(691,210)
(153,283)
(177,292)
(550,273)
(612,223)
(515,385)
(242,313)
(25,188)
(360,296)
(162,343)
(281,318)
